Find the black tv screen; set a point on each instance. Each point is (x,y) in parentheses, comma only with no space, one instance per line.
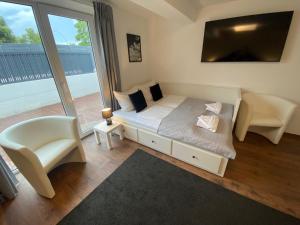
(246,39)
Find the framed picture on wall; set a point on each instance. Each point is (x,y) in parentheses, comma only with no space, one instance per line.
(134,48)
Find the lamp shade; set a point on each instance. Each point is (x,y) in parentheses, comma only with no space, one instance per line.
(106,113)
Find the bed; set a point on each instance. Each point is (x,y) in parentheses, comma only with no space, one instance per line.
(153,127)
(151,117)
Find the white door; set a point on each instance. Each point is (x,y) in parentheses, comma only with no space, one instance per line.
(71,42)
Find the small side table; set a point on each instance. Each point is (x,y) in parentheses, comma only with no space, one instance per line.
(106,131)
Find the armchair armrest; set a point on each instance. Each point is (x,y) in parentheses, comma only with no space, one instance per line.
(22,156)
(284,108)
(5,143)
(243,120)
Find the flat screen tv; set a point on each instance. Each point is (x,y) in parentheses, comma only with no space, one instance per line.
(246,39)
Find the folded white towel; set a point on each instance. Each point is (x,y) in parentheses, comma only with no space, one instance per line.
(214,107)
(208,122)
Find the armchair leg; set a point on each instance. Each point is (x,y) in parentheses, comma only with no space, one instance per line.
(41,183)
(273,134)
(240,132)
(243,122)
(81,153)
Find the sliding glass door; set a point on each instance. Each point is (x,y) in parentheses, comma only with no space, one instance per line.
(27,85)
(73,42)
(72,35)
(48,64)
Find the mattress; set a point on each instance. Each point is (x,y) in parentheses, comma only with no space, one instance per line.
(175,117)
(151,117)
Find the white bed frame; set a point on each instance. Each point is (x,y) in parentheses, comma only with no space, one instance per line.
(204,159)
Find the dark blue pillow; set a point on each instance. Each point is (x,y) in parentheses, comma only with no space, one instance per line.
(156,92)
(138,100)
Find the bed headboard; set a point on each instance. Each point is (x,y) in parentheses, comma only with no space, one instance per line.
(231,95)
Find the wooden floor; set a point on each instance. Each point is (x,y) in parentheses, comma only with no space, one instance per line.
(261,171)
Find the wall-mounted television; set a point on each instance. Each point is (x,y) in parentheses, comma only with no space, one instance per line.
(255,38)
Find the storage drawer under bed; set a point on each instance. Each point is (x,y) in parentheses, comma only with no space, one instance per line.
(155,141)
(130,132)
(197,157)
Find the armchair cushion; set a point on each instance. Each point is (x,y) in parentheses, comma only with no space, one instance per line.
(265,119)
(52,153)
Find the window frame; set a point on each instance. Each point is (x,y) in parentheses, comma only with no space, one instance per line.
(41,12)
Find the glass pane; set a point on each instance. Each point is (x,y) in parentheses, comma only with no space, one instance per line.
(73,42)
(27,88)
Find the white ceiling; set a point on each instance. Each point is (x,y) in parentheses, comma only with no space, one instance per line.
(134,8)
(127,5)
(130,6)
(204,3)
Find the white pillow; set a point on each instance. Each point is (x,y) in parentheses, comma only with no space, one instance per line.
(145,88)
(124,100)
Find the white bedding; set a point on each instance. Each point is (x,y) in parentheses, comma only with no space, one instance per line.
(151,117)
(171,101)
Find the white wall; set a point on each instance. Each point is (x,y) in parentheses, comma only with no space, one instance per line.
(175,51)
(127,22)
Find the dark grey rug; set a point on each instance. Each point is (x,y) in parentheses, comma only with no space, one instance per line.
(145,190)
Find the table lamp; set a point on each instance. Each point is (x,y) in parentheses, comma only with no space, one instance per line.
(107,114)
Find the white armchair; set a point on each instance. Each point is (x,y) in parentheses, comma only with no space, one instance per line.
(39,145)
(263,114)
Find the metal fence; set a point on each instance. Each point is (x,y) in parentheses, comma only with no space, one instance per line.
(26,62)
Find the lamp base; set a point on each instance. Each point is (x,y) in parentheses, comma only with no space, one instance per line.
(108,121)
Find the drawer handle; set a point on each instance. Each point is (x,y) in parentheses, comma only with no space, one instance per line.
(153,141)
(195,157)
